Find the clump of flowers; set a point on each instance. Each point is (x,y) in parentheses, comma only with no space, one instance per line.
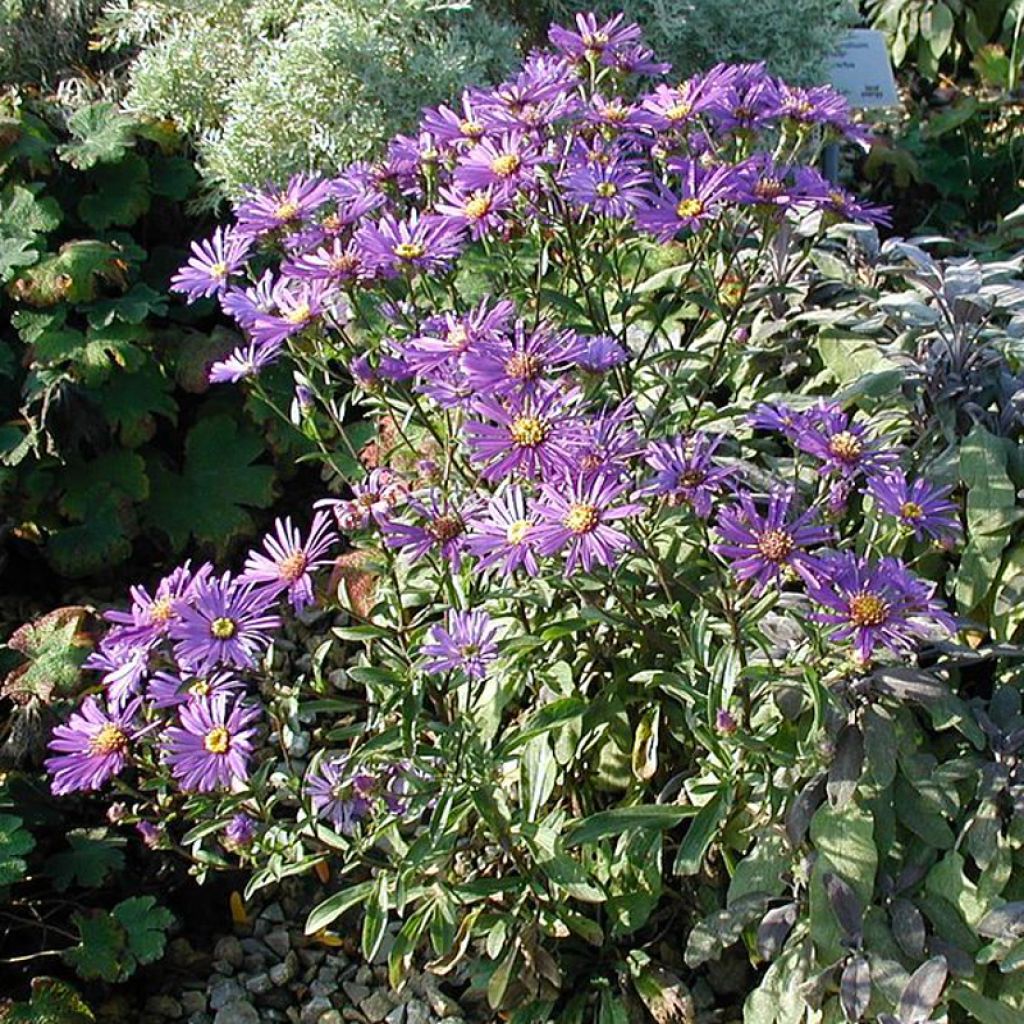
(595,542)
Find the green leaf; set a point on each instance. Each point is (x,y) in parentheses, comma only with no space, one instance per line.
(138,303)
(116,473)
(982,1009)
(173,177)
(701,833)
(55,649)
(102,951)
(132,401)
(991,499)
(14,841)
(72,274)
(764,868)
(550,716)
(102,134)
(16,251)
(623,819)
(121,194)
(937,28)
(207,499)
(145,924)
(52,1002)
(325,913)
(93,855)
(375,917)
(716,932)
(100,540)
(22,213)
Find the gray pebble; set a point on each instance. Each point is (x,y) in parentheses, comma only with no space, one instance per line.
(259,983)
(364,976)
(331,1017)
(417,1012)
(376,1006)
(279,941)
(224,991)
(273,913)
(193,1001)
(281,974)
(238,1012)
(255,962)
(311,957)
(223,967)
(315,1009)
(351,1013)
(356,992)
(396,1016)
(164,1006)
(230,949)
(442,1005)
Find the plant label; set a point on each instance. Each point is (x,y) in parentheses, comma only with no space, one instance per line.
(860,69)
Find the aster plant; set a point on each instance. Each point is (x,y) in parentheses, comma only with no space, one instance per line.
(616,647)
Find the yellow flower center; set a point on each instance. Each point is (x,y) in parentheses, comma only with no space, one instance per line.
(689,208)
(506,165)
(292,567)
(517,531)
(692,478)
(581,518)
(845,446)
(286,210)
(478,205)
(199,688)
(409,250)
(344,263)
(522,366)
(300,314)
(837,199)
(223,629)
(471,129)
(458,337)
(775,545)
(109,740)
(614,114)
(606,189)
(528,431)
(219,270)
(469,650)
(445,528)
(911,510)
(679,112)
(769,188)
(217,740)
(867,609)
(161,610)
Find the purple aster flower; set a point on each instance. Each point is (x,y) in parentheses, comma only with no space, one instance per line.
(425,243)
(504,533)
(480,210)
(600,353)
(246,305)
(534,435)
(381,492)
(685,471)
(211,746)
(608,442)
(761,547)
(820,104)
(877,603)
(124,668)
(239,833)
(246,361)
(844,447)
(593,40)
(287,563)
(443,340)
(150,834)
(468,644)
(225,623)
(637,60)
(517,366)
(91,747)
(297,305)
(611,190)
(212,262)
(441,528)
(749,102)
(613,112)
(459,129)
(920,506)
(669,109)
(340,794)
(577,516)
(150,616)
(169,689)
(835,201)
(270,210)
(505,163)
(779,418)
(336,261)
(767,184)
(702,195)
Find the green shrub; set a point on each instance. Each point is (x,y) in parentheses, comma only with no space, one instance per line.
(271,87)
(106,429)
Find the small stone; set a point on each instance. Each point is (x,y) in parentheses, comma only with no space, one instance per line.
(259,983)
(442,1005)
(193,1001)
(164,1006)
(311,957)
(417,1012)
(356,992)
(278,998)
(328,974)
(238,1012)
(254,946)
(279,941)
(223,967)
(351,1013)
(365,975)
(315,1009)
(224,991)
(230,949)
(331,1017)
(282,973)
(396,1016)
(274,913)
(451,1020)
(199,1018)
(376,1006)
(254,962)
(181,954)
